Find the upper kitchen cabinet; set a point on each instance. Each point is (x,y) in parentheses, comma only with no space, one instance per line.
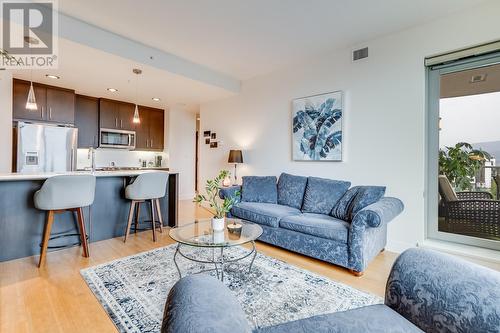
(156,128)
(108,113)
(87,121)
(116,114)
(127,116)
(150,132)
(54,104)
(20,95)
(60,105)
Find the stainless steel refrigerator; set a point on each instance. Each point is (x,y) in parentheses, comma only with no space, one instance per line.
(45,148)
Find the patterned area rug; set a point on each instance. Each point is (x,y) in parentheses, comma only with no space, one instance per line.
(133,290)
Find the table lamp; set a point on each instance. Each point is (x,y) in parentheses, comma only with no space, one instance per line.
(235,156)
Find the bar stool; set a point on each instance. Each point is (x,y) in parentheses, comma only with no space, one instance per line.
(148,186)
(59,194)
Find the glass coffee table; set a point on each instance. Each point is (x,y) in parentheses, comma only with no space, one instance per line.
(201,235)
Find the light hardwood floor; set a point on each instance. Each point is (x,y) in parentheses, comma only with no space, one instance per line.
(55,298)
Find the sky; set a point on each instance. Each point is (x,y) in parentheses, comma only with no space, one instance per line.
(472,119)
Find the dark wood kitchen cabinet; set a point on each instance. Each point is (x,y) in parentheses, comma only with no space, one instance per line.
(54,104)
(87,121)
(150,131)
(60,105)
(20,91)
(126,116)
(156,128)
(116,114)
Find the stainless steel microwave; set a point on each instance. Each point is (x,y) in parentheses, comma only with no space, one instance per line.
(113,138)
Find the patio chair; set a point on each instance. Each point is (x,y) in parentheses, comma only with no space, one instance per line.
(471,212)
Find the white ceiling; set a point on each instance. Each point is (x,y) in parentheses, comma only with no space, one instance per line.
(90,72)
(247,38)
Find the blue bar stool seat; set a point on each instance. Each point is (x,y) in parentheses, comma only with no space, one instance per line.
(151,187)
(59,194)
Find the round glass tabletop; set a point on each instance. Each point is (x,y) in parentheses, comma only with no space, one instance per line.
(201,234)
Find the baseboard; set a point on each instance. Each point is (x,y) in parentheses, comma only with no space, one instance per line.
(398,246)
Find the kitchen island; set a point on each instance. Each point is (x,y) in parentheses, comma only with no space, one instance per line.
(21,224)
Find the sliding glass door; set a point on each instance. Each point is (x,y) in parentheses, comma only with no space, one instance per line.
(463,151)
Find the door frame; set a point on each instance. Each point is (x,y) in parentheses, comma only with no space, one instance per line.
(433,74)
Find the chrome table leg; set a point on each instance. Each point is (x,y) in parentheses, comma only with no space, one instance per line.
(175,261)
(254,249)
(222,264)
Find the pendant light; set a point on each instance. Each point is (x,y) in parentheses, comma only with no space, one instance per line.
(31,101)
(136,119)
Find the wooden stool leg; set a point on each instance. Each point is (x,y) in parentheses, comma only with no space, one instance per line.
(153,224)
(83,232)
(130,217)
(137,215)
(46,235)
(158,211)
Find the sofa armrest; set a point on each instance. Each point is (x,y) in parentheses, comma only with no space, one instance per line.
(439,292)
(368,231)
(231,191)
(382,211)
(200,303)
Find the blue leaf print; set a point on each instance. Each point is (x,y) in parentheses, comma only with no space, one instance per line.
(317,140)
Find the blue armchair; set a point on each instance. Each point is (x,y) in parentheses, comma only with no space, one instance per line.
(426,291)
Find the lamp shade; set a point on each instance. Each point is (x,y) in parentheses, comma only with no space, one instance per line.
(235,156)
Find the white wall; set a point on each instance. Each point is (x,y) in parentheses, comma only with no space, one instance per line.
(384,114)
(182,134)
(5,121)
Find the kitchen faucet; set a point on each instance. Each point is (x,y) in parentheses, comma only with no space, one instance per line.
(91,155)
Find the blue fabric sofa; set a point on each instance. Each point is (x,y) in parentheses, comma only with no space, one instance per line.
(426,292)
(317,217)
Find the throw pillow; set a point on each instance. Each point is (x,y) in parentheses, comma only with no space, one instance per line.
(341,209)
(357,198)
(366,196)
(259,189)
(291,190)
(322,194)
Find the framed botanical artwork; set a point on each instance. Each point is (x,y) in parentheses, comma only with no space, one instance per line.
(317,127)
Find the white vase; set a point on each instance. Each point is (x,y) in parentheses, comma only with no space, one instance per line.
(218,223)
(219,236)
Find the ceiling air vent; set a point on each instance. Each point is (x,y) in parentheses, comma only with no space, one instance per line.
(478,78)
(360,54)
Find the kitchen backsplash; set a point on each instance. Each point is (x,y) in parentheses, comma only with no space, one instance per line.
(120,158)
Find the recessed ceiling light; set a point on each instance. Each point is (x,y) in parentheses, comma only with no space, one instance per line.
(156,99)
(50,76)
(112,90)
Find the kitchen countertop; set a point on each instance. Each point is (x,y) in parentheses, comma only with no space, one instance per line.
(45,175)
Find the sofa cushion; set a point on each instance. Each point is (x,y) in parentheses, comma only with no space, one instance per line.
(366,196)
(355,199)
(318,225)
(259,189)
(322,194)
(374,319)
(291,190)
(341,208)
(262,213)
